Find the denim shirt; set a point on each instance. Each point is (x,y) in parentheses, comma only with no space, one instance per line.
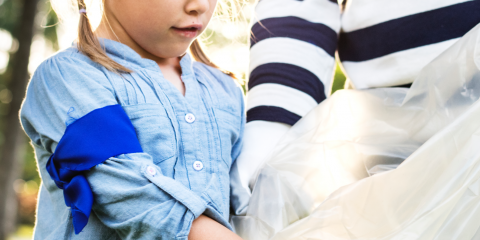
(189,143)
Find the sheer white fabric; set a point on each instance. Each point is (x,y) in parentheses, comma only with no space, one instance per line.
(331,176)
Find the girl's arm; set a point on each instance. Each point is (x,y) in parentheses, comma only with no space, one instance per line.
(131,195)
(205,228)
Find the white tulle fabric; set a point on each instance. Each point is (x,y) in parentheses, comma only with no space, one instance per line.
(331,176)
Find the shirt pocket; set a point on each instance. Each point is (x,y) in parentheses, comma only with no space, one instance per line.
(154,130)
(229,130)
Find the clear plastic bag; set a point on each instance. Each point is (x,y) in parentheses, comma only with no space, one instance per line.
(333,175)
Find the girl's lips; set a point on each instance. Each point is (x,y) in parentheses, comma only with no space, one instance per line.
(189,32)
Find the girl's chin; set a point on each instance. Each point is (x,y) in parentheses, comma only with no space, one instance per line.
(172,52)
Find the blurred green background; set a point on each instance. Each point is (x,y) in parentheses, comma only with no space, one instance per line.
(31,32)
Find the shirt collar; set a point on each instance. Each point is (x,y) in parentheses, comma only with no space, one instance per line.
(126,56)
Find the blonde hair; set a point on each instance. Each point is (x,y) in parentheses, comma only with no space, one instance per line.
(89,44)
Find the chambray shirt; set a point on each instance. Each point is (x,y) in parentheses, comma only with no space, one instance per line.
(183,171)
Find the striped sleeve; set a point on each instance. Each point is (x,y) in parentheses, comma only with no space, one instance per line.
(387,43)
(293,44)
(291,59)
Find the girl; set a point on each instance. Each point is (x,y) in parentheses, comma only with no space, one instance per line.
(133,139)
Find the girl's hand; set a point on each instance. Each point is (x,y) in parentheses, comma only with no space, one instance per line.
(205,228)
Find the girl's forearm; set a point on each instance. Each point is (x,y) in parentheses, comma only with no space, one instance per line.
(205,228)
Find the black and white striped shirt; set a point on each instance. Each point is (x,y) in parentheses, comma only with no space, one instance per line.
(380,43)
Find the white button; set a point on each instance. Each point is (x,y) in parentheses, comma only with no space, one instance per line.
(151,170)
(197,165)
(190,118)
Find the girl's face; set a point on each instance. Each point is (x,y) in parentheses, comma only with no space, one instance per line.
(162,28)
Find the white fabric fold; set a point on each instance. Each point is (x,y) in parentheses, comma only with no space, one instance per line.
(317,184)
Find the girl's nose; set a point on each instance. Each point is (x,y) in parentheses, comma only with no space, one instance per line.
(197,6)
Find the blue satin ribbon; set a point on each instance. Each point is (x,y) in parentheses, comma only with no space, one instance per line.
(103,133)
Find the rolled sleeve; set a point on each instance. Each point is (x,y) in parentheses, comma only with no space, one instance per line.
(133,197)
(187,197)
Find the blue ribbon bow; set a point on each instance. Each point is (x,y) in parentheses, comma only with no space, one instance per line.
(103,133)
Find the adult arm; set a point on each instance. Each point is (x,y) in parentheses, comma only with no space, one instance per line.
(291,67)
